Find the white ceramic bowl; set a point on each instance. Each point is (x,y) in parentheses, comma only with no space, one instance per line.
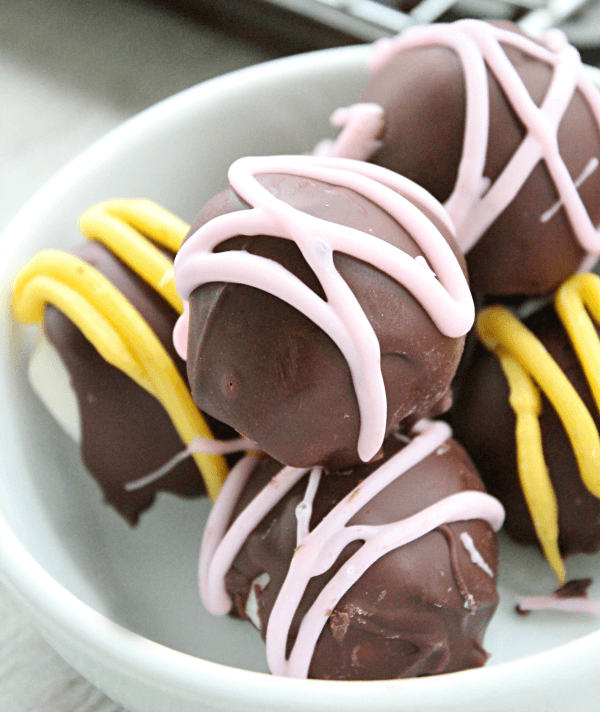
(120,605)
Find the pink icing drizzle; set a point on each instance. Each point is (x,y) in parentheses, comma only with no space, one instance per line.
(473,205)
(364,123)
(578,604)
(319,549)
(304,509)
(443,292)
(198,444)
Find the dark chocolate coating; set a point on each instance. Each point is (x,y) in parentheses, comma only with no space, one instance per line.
(411,613)
(423,94)
(126,433)
(485,423)
(259,365)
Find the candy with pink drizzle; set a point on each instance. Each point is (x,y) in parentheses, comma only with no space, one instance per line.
(340,313)
(390,571)
(505,131)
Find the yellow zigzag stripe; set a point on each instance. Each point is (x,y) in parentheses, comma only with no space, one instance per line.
(110,322)
(524,360)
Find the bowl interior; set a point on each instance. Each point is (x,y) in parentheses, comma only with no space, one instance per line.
(145,578)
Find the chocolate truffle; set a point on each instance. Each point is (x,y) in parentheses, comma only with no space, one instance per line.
(125,431)
(505,131)
(327,304)
(485,420)
(325,566)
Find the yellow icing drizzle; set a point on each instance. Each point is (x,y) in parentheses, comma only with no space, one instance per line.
(529,368)
(110,322)
(577,293)
(120,225)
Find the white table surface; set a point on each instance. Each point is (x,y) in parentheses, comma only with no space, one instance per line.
(70,70)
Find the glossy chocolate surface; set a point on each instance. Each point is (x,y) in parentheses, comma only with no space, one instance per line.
(264,368)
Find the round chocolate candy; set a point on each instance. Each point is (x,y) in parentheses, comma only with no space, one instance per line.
(327,304)
(108,317)
(527,415)
(505,131)
(382,571)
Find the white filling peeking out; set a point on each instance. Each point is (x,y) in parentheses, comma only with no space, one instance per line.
(50,380)
(252,604)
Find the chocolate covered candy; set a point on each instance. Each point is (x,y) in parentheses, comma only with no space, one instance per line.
(504,130)
(327,304)
(528,415)
(383,571)
(108,311)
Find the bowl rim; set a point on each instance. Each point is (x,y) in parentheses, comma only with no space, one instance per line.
(170,669)
(142,658)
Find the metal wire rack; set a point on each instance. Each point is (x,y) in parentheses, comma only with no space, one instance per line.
(368,20)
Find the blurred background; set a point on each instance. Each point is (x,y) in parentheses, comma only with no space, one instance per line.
(71,70)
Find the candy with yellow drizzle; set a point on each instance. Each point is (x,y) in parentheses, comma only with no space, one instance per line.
(530,370)
(109,321)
